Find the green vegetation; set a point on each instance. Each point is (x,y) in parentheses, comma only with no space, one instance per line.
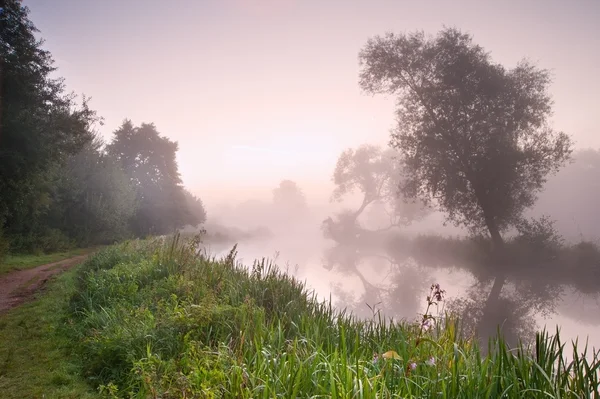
(35,356)
(27,261)
(61,186)
(155,319)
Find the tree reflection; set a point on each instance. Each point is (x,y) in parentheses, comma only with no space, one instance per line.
(540,274)
(396,289)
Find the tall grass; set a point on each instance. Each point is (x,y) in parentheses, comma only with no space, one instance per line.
(156,319)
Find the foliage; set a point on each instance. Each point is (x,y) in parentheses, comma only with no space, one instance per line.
(92,198)
(154,319)
(4,246)
(41,124)
(41,239)
(473,135)
(149,161)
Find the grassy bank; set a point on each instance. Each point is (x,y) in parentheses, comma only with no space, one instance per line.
(36,359)
(152,319)
(16,262)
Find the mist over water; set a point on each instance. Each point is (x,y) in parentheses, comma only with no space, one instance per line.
(397,290)
(394,279)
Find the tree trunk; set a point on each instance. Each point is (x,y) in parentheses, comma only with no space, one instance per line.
(488,324)
(497,259)
(364,204)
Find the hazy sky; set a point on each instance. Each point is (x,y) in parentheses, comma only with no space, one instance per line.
(256,91)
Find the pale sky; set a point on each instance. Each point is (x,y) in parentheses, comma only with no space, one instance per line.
(256,91)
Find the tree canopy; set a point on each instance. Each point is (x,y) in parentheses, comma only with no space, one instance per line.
(149,161)
(41,125)
(474,136)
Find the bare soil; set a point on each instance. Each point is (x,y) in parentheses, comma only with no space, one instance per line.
(22,285)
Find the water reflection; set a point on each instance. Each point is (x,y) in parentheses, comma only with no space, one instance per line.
(395,289)
(395,278)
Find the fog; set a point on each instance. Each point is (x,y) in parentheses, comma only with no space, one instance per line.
(286,141)
(394,276)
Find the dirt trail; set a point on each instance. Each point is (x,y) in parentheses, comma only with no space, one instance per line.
(20,286)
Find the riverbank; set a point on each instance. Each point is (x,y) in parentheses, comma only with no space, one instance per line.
(153,319)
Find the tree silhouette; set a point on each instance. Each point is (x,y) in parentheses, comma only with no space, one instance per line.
(289,200)
(374,173)
(473,136)
(149,160)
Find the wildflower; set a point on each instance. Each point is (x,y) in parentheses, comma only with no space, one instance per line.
(413,365)
(426,323)
(375,358)
(437,292)
(430,361)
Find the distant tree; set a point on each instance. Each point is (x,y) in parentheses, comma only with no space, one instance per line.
(149,160)
(473,136)
(376,174)
(289,199)
(40,124)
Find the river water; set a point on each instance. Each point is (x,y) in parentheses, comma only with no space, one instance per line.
(402,288)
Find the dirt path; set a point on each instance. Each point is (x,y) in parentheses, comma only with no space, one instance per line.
(20,286)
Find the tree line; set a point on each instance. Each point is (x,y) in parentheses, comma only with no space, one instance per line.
(60,184)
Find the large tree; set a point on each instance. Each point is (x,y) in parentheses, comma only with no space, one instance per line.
(149,160)
(40,124)
(473,135)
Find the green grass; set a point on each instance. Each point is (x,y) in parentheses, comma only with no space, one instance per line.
(152,319)
(16,262)
(35,352)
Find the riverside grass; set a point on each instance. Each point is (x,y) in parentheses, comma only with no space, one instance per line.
(153,319)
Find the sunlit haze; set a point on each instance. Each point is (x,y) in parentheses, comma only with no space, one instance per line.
(272,182)
(257,91)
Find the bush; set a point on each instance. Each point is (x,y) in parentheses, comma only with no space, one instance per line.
(46,241)
(4,246)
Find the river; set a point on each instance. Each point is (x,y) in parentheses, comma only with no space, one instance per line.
(401,289)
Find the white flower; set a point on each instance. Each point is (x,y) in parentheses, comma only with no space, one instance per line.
(426,324)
